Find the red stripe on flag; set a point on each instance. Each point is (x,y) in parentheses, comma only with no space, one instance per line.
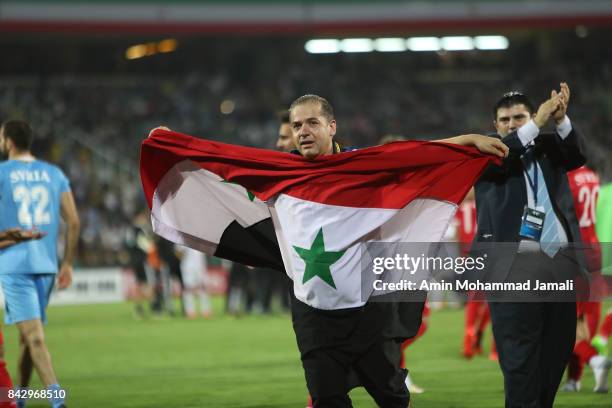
(387,176)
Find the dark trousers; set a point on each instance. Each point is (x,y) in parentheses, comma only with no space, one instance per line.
(535,338)
(534,342)
(377,368)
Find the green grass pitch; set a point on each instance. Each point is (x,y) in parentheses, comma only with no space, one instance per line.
(104,358)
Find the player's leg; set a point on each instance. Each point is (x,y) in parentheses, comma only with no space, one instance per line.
(574,366)
(481,324)
(21,304)
(33,334)
(142,291)
(600,341)
(193,286)
(472,310)
(25,365)
(34,338)
(584,350)
(189,302)
(189,293)
(592,314)
(606,328)
(166,290)
(601,364)
(205,306)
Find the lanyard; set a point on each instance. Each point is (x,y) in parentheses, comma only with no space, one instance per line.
(533,183)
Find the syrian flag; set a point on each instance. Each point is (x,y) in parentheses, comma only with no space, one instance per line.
(218,198)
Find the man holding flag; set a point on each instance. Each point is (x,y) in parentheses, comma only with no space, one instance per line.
(323,207)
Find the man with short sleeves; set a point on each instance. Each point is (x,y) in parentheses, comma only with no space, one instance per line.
(33,194)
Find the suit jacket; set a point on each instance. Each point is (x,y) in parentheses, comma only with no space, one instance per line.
(501,196)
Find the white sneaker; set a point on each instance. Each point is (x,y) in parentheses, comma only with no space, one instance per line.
(412,387)
(601,367)
(571,386)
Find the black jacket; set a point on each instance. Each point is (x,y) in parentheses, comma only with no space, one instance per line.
(501,195)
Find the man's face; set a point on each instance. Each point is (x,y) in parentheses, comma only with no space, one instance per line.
(285,138)
(510,119)
(312,132)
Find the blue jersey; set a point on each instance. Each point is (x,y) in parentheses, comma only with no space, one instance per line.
(30,197)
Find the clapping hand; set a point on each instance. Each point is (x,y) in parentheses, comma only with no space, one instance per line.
(559,114)
(547,108)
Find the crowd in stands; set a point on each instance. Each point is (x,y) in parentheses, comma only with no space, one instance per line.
(92,123)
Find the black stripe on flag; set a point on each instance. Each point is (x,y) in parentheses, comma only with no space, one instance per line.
(255,245)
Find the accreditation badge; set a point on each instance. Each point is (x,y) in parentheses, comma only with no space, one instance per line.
(532,223)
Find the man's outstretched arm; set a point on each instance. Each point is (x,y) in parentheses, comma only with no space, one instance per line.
(485,144)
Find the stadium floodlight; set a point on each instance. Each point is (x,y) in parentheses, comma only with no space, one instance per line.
(227,106)
(390,44)
(356,45)
(423,44)
(322,46)
(151,49)
(491,42)
(136,51)
(167,45)
(459,43)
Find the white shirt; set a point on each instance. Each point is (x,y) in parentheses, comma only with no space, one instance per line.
(527,134)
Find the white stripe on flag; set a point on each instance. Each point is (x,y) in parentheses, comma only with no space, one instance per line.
(298,223)
(193,207)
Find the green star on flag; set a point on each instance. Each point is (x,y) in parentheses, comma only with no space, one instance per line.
(318,260)
(251,195)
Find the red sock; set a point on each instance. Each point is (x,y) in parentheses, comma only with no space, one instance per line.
(606,328)
(584,351)
(5,381)
(484,318)
(5,385)
(472,310)
(592,313)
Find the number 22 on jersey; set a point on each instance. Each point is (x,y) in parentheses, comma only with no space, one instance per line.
(28,198)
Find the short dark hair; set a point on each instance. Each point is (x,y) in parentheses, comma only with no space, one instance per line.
(19,132)
(510,99)
(283,116)
(326,109)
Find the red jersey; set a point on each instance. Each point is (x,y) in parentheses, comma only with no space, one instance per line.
(584,184)
(466,224)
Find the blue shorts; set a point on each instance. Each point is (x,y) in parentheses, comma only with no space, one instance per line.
(26,296)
